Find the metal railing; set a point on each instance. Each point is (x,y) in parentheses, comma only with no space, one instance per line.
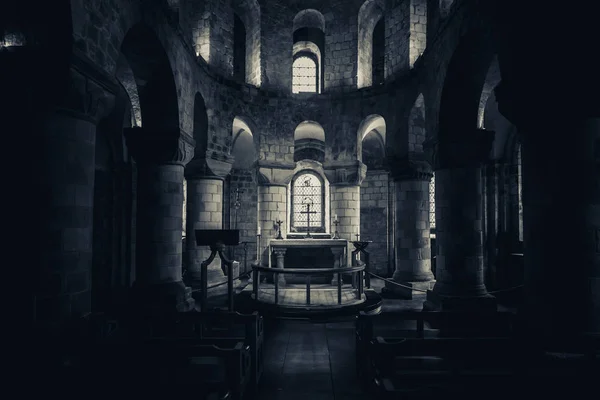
(358,273)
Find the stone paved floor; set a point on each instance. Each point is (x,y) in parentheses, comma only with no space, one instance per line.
(310,361)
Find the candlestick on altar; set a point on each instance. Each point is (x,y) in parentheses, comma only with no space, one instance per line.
(357,237)
(336,223)
(279,222)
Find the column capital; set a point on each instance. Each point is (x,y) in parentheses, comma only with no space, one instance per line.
(86,97)
(458,150)
(345,173)
(405,168)
(209,165)
(155,147)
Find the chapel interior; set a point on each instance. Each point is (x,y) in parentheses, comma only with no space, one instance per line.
(306,199)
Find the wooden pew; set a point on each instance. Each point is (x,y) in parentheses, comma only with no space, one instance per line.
(397,325)
(218,328)
(417,368)
(204,371)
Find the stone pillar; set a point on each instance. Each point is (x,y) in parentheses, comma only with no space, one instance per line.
(345,202)
(161,157)
(279,263)
(204,209)
(459,222)
(412,242)
(272,206)
(62,284)
(491,223)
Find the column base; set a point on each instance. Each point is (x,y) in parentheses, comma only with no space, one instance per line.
(161,298)
(399,292)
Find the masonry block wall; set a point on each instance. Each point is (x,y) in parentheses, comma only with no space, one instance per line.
(416,126)
(246,214)
(397,37)
(412,241)
(272,206)
(345,202)
(341,38)
(374,219)
(418,29)
(212,34)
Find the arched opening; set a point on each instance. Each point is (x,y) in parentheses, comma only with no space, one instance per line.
(371,43)
(309,142)
(308,52)
(246,46)
(375,216)
(154,79)
(375,125)
(242,144)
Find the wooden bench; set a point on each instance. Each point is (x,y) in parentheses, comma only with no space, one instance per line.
(417,368)
(218,328)
(204,371)
(418,324)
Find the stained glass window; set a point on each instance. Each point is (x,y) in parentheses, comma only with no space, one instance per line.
(307,188)
(432,202)
(304,75)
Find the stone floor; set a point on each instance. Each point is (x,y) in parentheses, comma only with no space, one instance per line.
(310,361)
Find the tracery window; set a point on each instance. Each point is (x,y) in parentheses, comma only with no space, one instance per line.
(307,188)
(304,75)
(432,202)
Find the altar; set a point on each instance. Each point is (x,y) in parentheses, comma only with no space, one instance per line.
(279,248)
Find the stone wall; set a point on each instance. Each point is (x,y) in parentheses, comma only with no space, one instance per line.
(246,214)
(272,206)
(345,202)
(418,29)
(374,219)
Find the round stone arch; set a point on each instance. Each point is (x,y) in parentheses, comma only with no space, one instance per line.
(463,84)
(154,79)
(309,141)
(244,136)
(369,14)
(373,124)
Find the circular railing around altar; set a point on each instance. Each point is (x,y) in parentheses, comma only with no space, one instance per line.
(357,272)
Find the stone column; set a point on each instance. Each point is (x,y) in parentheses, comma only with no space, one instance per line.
(272,206)
(62,280)
(204,209)
(412,242)
(161,157)
(561,210)
(279,263)
(459,222)
(491,222)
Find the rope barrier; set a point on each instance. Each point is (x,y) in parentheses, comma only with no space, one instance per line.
(452,297)
(223,283)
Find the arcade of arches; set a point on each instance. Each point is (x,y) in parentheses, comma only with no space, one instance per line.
(445,132)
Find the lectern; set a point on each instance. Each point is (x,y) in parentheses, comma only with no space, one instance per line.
(217,239)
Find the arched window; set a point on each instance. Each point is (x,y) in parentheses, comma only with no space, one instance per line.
(432,202)
(305,75)
(307,188)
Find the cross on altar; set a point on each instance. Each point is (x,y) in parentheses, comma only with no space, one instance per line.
(308,212)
